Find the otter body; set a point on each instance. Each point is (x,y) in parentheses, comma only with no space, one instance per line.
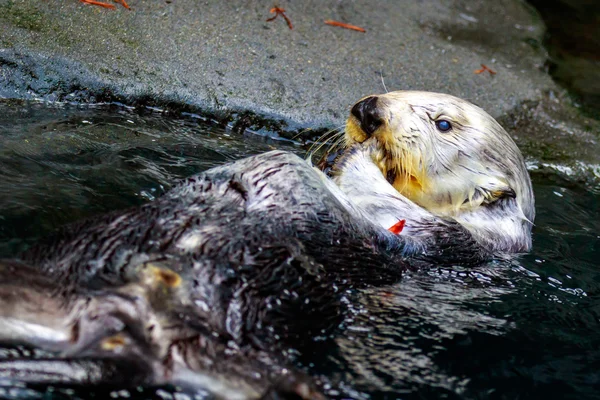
(207,286)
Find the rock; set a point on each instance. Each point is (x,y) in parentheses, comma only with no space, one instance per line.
(557,139)
(224,57)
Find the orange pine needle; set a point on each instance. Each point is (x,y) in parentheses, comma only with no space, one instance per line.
(123,3)
(98,3)
(397,227)
(343,25)
(483,69)
(280,11)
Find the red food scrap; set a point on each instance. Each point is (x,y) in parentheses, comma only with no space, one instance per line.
(397,227)
(483,69)
(98,3)
(280,11)
(344,25)
(106,5)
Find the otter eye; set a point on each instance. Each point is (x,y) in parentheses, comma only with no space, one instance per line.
(443,125)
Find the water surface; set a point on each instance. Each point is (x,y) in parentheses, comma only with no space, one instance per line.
(528,328)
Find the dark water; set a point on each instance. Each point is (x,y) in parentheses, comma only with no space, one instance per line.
(573,43)
(529,328)
(59,164)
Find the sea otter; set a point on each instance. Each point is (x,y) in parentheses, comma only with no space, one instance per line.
(444,158)
(210,284)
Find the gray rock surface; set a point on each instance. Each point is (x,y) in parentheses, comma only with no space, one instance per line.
(224,56)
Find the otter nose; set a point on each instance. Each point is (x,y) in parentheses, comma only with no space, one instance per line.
(368,114)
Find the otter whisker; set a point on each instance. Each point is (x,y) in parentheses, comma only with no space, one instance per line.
(334,148)
(301,133)
(383,82)
(323,138)
(334,135)
(336,143)
(314,150)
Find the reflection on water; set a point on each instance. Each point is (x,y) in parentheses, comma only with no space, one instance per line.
(521,329)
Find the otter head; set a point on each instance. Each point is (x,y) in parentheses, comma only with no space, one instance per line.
(449,157)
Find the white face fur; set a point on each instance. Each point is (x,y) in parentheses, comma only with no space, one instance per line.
(448,156)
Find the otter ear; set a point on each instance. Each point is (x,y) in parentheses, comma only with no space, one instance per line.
(491,191)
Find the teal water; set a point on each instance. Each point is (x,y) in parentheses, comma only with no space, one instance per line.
(528,328)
